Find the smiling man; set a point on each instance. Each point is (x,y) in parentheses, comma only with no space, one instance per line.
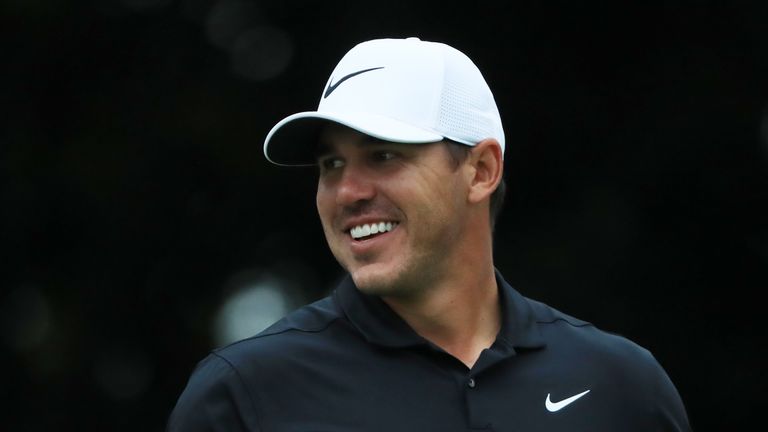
(424,334)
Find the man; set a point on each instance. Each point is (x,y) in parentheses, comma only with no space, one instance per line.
(424,334)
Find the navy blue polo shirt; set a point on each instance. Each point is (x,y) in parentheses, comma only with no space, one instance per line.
(349,363)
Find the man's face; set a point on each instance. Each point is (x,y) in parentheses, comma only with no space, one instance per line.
(392,213)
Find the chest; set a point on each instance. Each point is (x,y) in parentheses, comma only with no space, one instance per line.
(423,392)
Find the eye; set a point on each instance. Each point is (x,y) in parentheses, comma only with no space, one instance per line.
(330,163)
(383,155)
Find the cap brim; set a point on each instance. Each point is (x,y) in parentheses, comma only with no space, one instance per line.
(292,142)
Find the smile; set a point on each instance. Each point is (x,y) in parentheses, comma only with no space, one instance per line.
(360,232)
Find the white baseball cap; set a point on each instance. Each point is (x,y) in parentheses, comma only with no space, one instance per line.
(398,90)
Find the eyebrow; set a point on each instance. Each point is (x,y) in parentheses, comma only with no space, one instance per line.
(323,148)
(373,140)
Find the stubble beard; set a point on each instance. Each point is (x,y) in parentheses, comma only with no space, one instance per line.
(406,280)
(408,275)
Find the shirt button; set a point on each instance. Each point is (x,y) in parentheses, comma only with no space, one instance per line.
(471,383)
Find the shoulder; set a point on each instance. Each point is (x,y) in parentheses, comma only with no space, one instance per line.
(199,406)
(220,390)
(297,331)
(562,329)
(610,360)
(593,349)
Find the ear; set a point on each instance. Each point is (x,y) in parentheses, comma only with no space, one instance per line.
(488,168)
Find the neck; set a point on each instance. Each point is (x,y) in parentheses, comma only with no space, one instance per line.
(460,312)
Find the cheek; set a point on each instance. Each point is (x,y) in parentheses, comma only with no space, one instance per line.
(324,213)
(326,209)
(442,203)
(323,200)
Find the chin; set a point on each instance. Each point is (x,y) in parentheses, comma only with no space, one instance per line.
(374,281)
(386,280)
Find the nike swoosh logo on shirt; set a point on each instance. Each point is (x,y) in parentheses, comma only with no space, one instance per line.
(557,406)
(332,87)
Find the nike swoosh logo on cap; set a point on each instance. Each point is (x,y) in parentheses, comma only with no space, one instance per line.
(332,87)
(557,406)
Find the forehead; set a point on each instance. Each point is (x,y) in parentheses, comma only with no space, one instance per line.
(334,135)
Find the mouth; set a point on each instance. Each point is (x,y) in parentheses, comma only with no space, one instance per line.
(371,230)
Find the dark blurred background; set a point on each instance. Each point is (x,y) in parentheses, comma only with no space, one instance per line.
(141,227)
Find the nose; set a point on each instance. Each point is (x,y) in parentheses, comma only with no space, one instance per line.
(354,187)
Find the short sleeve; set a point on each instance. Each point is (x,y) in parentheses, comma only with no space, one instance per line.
(671,413)
(215,399)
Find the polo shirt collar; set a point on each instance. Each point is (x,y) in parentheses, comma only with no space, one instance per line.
(519,327)
(373,318)
(380,325)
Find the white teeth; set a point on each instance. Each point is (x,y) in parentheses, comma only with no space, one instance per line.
(361,231)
